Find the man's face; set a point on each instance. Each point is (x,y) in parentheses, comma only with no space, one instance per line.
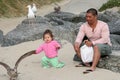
(90,18)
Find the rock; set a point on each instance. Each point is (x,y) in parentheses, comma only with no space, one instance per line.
(111,63)
(32,29)
(79,18)
(104,17)
(28,30)
(66,16)
(115,40)
(114,27)
(113,15)
(1,36)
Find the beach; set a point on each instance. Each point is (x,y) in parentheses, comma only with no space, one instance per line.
(30,68)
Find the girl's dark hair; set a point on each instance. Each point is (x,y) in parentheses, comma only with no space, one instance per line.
(93,11)
(48,32)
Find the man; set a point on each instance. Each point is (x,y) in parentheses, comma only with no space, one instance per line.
(98,36)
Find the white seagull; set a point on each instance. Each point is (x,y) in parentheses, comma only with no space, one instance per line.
(30,12)
(34,8)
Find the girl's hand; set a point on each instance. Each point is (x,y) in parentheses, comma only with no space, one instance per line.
(57,47)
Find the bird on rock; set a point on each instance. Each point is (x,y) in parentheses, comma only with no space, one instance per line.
(30,12)
(57,8)
(34,8)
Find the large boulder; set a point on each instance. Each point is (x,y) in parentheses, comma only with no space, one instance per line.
(32,29)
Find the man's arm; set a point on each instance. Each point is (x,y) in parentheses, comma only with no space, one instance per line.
(104,35)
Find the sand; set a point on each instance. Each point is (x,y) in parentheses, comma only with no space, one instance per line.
(30,68)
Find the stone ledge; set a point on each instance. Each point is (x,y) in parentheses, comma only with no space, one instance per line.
(111,62)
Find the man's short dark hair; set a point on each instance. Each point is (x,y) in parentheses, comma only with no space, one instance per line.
(93,11)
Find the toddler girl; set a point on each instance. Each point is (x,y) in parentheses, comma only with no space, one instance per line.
(50,47)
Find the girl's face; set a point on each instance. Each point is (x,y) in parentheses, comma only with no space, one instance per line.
(47,38)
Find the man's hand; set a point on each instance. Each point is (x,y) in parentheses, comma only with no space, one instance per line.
(88,43)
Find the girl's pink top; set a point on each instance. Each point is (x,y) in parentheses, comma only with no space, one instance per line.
(100,34)
(50,49)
